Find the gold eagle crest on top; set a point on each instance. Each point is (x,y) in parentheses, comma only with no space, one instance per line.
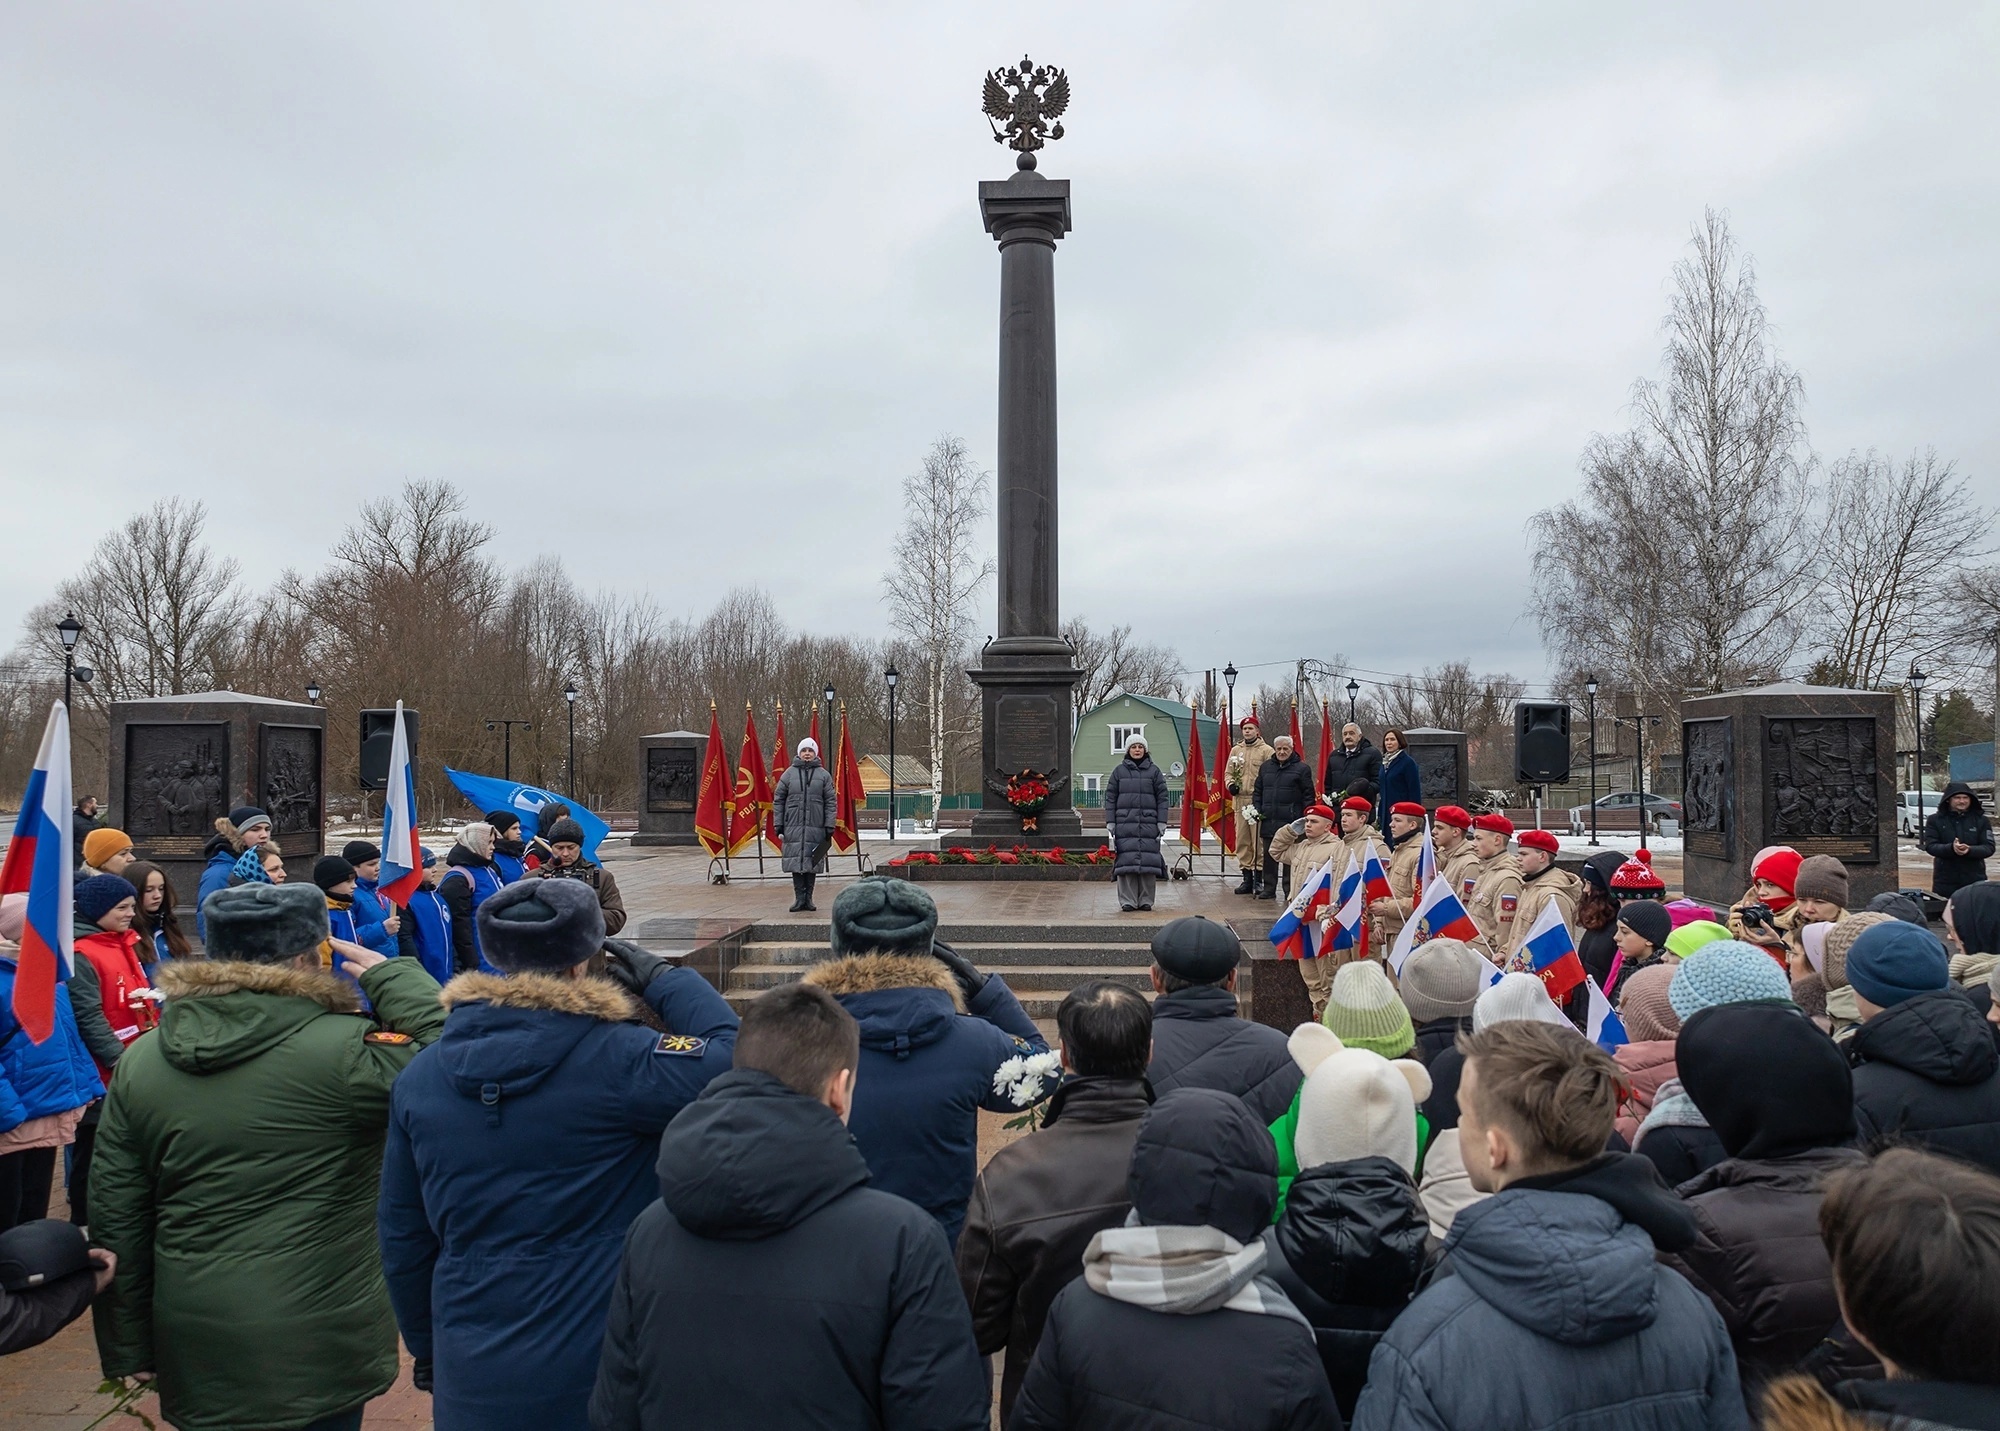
(1022,103)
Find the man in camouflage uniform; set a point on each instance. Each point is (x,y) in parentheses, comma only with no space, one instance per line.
(1496,892)
(1406,844)
(1303,853)
(1541,882)
(1240,779)
(1458,862)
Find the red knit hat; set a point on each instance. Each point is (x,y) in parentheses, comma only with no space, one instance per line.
(1357,802)
(1454,816)
(1407,807)
(1538,840)
(1324,811)
(1498,824)
(1636,877)
(1780,867)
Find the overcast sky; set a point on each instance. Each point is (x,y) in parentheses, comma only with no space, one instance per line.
(679,293)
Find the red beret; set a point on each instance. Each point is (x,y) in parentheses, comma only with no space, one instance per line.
(1323,810)
(1498,824)
(1356,802)
(1407,807)
(1538,840)
(1455,816)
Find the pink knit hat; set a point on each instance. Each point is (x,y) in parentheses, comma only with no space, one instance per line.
(1686,911)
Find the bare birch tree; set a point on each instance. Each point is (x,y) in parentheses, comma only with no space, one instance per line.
(1689,559)
(939,567)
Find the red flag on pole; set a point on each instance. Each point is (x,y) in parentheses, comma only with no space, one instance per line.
(781,761)
(712,805)
(1194,794)
(1221,808)
(847,792)
(753,788)
(1298,740)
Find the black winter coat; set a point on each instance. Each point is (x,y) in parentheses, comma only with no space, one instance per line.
(1354,773)
(1135,811)
(1680,1151)
(1037,1204)
(771,1286)
(1436,1036)
(1972,1406)
(1199,1041)
(1952,871)
(1350,1251)
(1927,1072)
(1283,793)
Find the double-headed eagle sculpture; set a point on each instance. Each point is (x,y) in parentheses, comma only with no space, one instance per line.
(1021,119)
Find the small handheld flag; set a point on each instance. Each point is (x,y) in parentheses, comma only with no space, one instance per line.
(1295,935)
(38,865)
(402,856)
(1375,875)
(1604,1028)
(1439,915)
(1427,862)
(1551,953)
(1353,907)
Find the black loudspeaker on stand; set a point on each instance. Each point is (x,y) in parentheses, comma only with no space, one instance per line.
(1541,743)
(378,734)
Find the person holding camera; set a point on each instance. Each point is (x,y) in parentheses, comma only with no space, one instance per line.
(1768,916)
(521,1147)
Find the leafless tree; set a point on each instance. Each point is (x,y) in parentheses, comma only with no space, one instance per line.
(938,568)
(1112,662)
(1901,561)
(1690,557)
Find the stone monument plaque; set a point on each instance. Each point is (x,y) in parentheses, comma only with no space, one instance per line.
(1025,733)
(1706,796)
(672,779)
(1787,764)
(288,780)
(174,787)
(1819,787)
(1441,764)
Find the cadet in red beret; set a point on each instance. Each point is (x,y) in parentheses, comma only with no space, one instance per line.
(1496,888)
(1542,880)
(1458,862)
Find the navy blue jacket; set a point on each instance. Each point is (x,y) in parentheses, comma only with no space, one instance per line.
(926,1071)
(771,1287)
(520,1148)
(427,920)
(37,1079)
(371,912)
(1557,1314)
(1401,780)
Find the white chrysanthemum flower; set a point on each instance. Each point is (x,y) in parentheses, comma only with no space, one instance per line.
(1005,1075)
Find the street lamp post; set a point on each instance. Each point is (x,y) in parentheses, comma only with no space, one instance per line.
(507,767)
(1353,693)
(1917,679)
(313,693)
(828,739)
(569,702)
(1590,693)
(69,629)
(891,676)
(1229,674)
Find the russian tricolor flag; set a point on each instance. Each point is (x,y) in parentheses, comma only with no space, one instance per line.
(38,865)
(402,857)
(1374,876)
(1427,862)
(1440,915)
(1296,934)
(1551,953)
(1353,905)
(1604,1028)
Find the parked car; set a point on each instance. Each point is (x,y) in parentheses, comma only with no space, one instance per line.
(1912,809)
(1624,803)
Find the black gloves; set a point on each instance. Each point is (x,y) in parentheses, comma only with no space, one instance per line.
(632,966)
(420,1374)
(970,980)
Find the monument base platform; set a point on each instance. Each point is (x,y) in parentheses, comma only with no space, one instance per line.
(645,837)
(919,873)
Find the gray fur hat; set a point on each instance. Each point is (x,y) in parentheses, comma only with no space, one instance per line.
(887,916)
(541,925)
(264,923)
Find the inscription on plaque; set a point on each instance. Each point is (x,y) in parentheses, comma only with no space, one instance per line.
(1820,787)
(672,776)
(174,783)
(1437,765)
(288,765)
(1024,735)
(1708,769)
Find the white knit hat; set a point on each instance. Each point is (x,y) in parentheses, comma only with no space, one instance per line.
(1354,1103)
(1517,996)
(809,747)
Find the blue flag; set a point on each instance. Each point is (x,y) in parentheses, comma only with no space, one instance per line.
(490,792)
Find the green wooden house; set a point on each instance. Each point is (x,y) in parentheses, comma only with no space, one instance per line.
(1104,731)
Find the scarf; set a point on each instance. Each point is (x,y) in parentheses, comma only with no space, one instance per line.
(249,869)
(1672,1108)
(1183,1271)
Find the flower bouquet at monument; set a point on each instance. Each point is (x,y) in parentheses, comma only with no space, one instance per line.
(1028,792)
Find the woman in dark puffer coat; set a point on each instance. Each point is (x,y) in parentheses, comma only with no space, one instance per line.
(1135,813)
(1780,1097)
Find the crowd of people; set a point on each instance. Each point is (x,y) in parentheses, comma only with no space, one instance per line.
(584,1193)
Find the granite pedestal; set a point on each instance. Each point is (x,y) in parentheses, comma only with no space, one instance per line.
(670,764)
(1807,766)
(1442,761)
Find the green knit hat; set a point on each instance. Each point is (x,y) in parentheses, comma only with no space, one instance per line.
(1365,1012)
